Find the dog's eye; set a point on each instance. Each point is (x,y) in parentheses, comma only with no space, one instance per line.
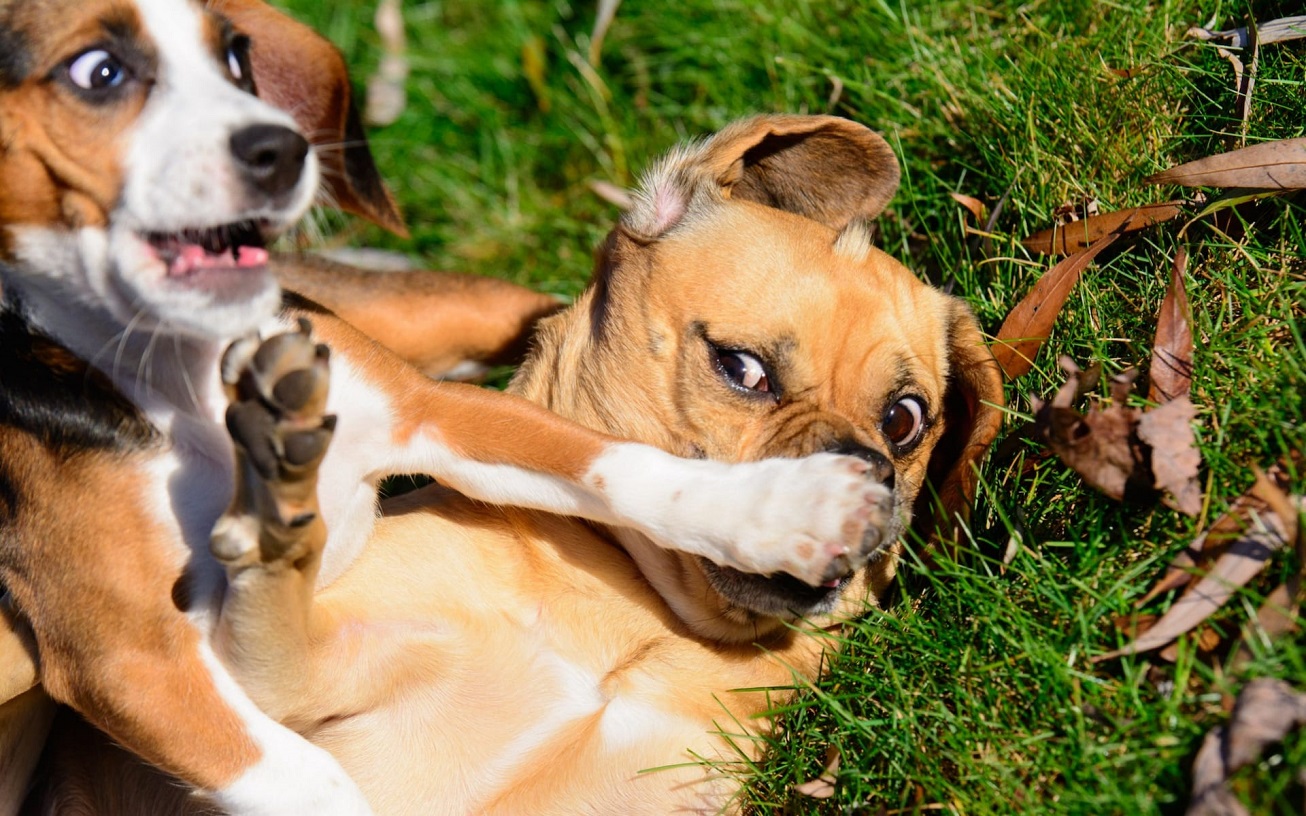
(904,422)
(744,370)
(238,58)
(96,70)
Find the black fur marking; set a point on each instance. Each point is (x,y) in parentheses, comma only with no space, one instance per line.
(15,59)
(50,394)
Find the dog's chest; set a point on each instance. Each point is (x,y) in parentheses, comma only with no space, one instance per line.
(70,440)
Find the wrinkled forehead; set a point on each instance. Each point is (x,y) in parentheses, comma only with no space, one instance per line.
(36,35)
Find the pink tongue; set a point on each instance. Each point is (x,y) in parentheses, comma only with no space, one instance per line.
(193,257)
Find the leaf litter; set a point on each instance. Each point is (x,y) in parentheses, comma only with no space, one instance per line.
(1266,711)
(1260,523)
(1125,452)
(1030,323)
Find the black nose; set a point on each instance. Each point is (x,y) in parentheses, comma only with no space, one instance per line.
(881,467)
(270,157)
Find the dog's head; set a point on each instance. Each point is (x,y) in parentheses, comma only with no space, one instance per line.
(140,171)
(739,312)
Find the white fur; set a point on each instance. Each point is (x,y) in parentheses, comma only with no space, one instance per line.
(293,777)
(753,516)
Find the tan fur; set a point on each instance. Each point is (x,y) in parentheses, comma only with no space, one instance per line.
(132,647)
(59,161)
(489,660)
(437,321)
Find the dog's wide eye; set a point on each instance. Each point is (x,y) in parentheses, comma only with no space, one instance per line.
(904,422)
(238,59)
(744,370)
(96,70)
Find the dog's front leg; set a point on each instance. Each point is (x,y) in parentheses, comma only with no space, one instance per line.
(271,537)
(815,518)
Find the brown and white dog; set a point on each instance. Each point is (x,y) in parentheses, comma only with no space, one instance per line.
(140,177)
(489,660)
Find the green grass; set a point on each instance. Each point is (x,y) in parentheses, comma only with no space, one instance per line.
(973,692)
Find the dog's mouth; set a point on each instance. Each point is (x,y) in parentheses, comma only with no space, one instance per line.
(778,595)
(241,245)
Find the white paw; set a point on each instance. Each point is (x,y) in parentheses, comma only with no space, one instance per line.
(816,518)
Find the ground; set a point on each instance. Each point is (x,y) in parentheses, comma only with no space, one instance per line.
(973,692)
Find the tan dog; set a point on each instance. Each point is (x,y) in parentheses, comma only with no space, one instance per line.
(147,154)
(485,660)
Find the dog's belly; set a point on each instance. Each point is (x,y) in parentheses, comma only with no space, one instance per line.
(503,673)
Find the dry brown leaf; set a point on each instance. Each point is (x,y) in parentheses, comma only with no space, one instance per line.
(1168,431)
(1215,540)
(822,787)
(1265,532)
(1081,233)
(1210,796)
(1170,374)
(1266,711)
(1100,446)
(973,205)
(1277,165)
(1280,30)
(1123,452)
(1030,323)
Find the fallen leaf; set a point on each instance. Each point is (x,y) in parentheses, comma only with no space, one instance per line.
(973,205)
(1125,453)
(1210,796)
(1265,532)
(1277,165)
(1215,540)
(1079,234)
(1101,446)
(1168,431)
(1280,30)
(1170,374)
(1030,323)
(1265,712)
(823,786)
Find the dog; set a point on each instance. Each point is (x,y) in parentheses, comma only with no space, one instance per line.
(491,660)
(149,150)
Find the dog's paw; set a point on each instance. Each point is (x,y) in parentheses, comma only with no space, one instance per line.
(277,390)
(817,518)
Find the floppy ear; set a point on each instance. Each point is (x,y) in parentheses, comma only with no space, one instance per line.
(829,169)
(972,416)
(299,71)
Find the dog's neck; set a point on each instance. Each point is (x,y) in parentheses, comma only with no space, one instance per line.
(568,349)
(168,375)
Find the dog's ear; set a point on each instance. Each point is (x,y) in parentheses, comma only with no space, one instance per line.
(299,71)
(972,416)
(825,168)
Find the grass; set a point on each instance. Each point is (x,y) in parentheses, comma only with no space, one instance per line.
(972,692)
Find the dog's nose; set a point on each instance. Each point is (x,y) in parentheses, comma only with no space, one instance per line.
(270,157)
(881,467)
